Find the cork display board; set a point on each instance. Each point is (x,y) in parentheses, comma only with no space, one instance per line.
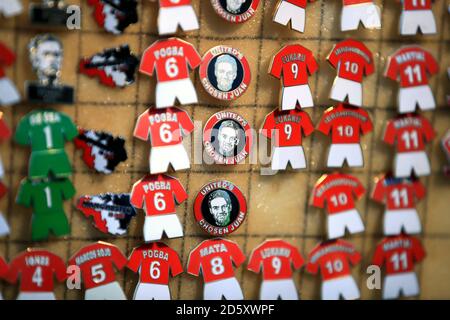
(278,205)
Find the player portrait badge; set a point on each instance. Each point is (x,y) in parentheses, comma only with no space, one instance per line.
(227,138)
(235,11)
(111,212)
(220,208)
(225,73)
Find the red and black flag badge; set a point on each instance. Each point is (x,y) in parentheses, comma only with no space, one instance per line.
(111,212)
(114,67)
(114,15)
(101,150)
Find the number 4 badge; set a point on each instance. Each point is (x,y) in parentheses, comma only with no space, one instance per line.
(158,195)
(411,66)
(293,64)
(171,59)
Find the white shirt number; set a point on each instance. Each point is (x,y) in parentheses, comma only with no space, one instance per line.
(217,267)
(172,67)
(98,275)
(158,201)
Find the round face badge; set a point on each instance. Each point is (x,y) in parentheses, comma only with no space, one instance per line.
(220,208)
(236,11)
(227,138)
(225,73)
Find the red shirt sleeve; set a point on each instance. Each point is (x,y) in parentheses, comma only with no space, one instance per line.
(192,55)
(3,268)
(142,129)
(194,262)
(268,126)
(392,69)
(378,257)
(134,261)
(366,126)
(254,263)
(311,63)
(276,67)
(333,58)
(359,189)
(175,264)
(5,132)
(14,269)
(148,62)
(324,126)
(186,123)
(418,250)
(179,192)
(379,191)
(137,195)
(419,189)
(431,63)
(354,257)
(389,133)
(307,125)
(7,57)
(428,130)
(316,200)
(370,66)
(312,267)
(236,254)
(297,259)
(118,258)
(59,267)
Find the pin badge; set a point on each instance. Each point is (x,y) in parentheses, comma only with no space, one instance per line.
(171,59)
(355,12)
(286,130)
(46,197)
(293,12)
(46,55)
(339,192)
(292,65)
(49,13)
(176,13)
(46,132)
(400,216)
(415,16)
(333,259)
(446,147)
(11,8)
(114,15)
(409,133)
(227,138)
(399,277)
(276,259)
(235,11)
(411,66)
(345,124)
(158,195)
(111,212)
(10,95)
(35,270)
(352,61)
(97,263)
(114,67)
(154,285)
(225,73)
(220,208)
(212,256)
(101,150)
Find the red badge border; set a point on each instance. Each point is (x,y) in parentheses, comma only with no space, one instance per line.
(203,72)
(207,131)
(235,18)
(198,214)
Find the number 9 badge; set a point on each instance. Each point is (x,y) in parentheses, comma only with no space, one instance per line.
(171,59)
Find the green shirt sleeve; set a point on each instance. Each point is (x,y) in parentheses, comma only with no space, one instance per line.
(24,194)
(68,190)
(70,129)
(23,131)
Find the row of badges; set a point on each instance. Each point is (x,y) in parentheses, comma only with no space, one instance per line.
(116,15)
(225,72)
(216,259)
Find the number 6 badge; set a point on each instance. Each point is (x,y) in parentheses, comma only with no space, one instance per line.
(171,59)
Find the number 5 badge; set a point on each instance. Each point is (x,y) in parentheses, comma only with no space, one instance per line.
(171,59)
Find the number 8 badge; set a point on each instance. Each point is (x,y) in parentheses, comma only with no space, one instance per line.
(171,59)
